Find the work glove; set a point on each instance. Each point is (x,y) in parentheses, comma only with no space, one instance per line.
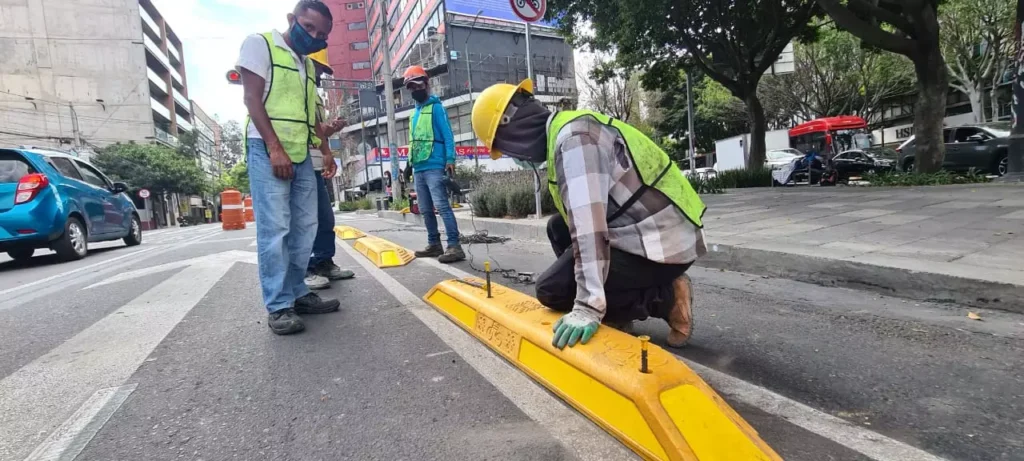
(576,326)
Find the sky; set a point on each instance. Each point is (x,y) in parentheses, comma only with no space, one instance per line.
(212,32)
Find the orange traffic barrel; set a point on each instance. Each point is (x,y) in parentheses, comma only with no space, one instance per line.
(250,216)
(232,213)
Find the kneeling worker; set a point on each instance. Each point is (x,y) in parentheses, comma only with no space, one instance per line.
(629,223)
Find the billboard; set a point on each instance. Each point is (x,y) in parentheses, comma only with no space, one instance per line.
(498,9)
(384,153)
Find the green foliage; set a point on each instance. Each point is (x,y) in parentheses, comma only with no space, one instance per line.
(703,184)
(157,168)
(236,178)
(231,142)
(977,41)
(718,115)
(739,179)
(468,175)
(894,178)
(361,204)
(520,202)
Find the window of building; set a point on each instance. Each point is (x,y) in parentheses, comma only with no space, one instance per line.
(357,25)
(359,45)
(361,65)
(354,6)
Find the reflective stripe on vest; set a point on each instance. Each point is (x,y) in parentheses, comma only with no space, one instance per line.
(291,103)
(421,136)
(652,164)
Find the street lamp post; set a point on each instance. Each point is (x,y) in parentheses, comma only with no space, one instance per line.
(1015,157)
(469,75)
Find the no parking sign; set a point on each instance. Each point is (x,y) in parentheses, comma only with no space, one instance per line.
(529,10)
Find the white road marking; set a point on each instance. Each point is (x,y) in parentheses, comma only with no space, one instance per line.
(868,443)
(574,431)
(68,441)
(253,243)
(435,354)
(42,394)
(76,270)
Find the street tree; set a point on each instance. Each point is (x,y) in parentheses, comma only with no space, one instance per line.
(149,166)
(836,75)
(909,28)
(733,43)
(231,140)
(977,41)
(235,178)
(718,115)
(613,91)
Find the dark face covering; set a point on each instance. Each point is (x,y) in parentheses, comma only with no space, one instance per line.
(420,95)
(524,136)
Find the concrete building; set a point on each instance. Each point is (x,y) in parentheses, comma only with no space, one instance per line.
(81,75)
(465,46)
(348,47)
(207,132)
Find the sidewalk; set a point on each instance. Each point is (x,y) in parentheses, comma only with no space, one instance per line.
(961,244)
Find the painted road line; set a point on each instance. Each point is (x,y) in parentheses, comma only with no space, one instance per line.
(382,252)
(638,392)
(348,232)
(863,441)
(68,441)
(41,395)
(584,440)
(76,270)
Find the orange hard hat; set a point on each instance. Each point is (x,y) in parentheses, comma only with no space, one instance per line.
(413,73)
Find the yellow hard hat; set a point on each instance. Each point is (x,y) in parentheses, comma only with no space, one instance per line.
(320,57)
(490,107)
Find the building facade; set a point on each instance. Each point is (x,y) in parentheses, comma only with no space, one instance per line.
(465,47)
(95,74)
(208,148)
(348,47)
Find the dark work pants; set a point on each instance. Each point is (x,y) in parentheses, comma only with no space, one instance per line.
(636,287)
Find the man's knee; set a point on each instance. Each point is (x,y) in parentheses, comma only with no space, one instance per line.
(553,294)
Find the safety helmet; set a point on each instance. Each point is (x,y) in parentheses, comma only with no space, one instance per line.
(413,73)
(489,109)
(320,57)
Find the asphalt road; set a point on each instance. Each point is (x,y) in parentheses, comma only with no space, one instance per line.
(162,352)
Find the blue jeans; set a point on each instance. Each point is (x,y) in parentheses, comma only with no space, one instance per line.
(323,246)
(285,226)
(431,193)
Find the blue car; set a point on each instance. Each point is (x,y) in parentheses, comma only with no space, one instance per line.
(49,199)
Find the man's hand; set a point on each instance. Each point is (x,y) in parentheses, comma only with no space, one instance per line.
(280,161)
(450,168)
(576,326)
(335,126)
(330,169)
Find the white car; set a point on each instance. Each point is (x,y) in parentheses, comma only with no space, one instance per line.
(778,158)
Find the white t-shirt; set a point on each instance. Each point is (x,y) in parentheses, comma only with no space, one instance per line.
(255,57)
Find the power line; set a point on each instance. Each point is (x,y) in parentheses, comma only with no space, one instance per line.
(40,113)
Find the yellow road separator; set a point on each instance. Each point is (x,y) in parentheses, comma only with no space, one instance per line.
(348,232)
(382,252)
(638,392)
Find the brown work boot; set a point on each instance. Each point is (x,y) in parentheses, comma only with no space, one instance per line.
(680,319)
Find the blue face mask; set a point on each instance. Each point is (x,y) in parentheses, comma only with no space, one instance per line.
(303,43)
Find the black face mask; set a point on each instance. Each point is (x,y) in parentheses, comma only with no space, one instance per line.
(524,137)
(420,95)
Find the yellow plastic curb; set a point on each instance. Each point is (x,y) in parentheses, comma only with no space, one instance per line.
(382,252)
(348,232)
(668,413)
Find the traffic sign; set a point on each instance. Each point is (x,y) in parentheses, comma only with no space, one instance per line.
(529,10)
(144,193)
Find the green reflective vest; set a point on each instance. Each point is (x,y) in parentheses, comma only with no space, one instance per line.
(421,136)
(291,102)
(655,168)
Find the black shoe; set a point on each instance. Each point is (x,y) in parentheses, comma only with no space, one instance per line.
(332,271)
(453,254)
(432,251)
(313,304)
(285,322)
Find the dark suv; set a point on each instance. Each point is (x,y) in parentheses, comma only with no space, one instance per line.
(982,147)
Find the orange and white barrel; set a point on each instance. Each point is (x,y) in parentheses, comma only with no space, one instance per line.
(233,212)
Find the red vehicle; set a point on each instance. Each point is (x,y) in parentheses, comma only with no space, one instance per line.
(831,135)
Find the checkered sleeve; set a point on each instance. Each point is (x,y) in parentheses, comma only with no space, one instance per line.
(584,179)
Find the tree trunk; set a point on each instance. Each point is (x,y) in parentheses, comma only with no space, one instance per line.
(993,100)
(932,86)
(976,95)
(755,115)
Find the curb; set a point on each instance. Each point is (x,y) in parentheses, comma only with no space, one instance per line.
(889,281)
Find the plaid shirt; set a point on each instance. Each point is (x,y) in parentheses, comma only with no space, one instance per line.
(594,175)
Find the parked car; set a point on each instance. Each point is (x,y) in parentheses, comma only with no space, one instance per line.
(858,162)
(982,147)
(49,199)
(778,158)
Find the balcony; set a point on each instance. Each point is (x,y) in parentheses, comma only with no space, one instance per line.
(179,82)
(160,108)
(184,124)
(157,80)
(155,49)
(182,100)
(175,57)
(148,23)
(165,137)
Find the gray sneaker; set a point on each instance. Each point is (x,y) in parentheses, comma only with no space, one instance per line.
(316,282)
(332,271)
(452,254)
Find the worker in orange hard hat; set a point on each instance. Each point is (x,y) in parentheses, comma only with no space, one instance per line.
(432,156)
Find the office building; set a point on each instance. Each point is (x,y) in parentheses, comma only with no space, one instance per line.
(207,134)
(82,75)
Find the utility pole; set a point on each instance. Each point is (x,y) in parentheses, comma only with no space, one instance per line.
(529,75)
(1015,158)
(469,76)
(689,119)
(389,90)
(74,126)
